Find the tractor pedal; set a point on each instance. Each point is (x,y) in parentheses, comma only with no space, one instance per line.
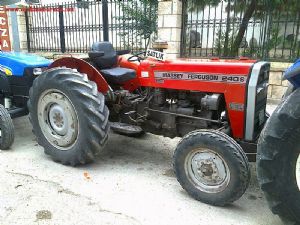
(126,129)
(130,113)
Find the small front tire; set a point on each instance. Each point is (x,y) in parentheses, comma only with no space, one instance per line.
(7,129)
(212,168)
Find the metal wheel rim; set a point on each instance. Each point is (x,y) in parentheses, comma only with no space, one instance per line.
(58,119)
(207,170)
(298,172)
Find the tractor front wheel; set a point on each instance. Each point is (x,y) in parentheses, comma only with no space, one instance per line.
(211,167)
(68,115)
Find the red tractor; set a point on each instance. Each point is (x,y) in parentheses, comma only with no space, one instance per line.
(215,105)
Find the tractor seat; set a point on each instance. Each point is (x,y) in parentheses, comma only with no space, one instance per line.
(104,57)
(118,75)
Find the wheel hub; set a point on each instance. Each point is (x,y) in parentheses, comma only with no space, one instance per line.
(58,119)
(208,170)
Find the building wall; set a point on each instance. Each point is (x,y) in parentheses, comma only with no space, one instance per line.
(277,86)
(21,29)
(169,25)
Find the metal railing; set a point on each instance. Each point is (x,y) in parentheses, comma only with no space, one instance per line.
(232,28)
(73,27)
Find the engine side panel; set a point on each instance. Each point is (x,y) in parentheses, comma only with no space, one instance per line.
(227,77)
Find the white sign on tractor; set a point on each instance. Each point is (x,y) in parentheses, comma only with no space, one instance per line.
(155,55)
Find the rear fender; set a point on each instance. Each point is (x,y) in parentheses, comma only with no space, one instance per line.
(83,67)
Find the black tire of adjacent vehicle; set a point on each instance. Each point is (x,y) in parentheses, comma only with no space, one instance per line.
(288,91)
(7,129)
(232,154)
(278,151)
(91,111)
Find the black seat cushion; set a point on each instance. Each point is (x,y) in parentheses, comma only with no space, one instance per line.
(108,59)
(118,75)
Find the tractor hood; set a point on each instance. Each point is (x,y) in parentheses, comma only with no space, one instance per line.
(14,63)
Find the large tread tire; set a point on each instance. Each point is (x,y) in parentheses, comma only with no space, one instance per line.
(231,153)
(288,91)
(91,111)
(278,151)
(7,129)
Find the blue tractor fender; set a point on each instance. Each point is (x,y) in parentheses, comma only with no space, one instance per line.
(292,74)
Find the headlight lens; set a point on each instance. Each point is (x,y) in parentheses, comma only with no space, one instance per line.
(37,71)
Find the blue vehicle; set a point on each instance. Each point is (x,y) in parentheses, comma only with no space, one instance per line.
(278,153)
(17,72)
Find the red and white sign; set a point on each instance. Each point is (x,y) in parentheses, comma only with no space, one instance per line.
(5,44)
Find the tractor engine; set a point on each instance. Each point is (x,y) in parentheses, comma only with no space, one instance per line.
(169,112)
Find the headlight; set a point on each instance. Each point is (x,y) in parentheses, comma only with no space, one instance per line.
(38,71)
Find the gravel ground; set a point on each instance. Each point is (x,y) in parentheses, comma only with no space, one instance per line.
(132,183)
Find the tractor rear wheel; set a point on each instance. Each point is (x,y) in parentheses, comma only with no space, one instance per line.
(7,135)
(278,159)
(68,115)
(211,167)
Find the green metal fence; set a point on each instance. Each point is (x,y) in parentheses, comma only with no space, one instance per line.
(260,29)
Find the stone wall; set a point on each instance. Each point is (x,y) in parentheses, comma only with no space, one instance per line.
(169,25)
(277,86)
(21,29)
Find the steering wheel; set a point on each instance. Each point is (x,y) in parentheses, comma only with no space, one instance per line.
(137,57)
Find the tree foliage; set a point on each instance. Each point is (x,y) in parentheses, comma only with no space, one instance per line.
(138,20)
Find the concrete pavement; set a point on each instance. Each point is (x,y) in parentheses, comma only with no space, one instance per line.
(132,183)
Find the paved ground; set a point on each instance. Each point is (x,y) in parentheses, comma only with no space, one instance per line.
(132,183)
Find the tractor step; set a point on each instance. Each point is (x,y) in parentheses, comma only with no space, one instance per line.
(126,129)
(17,112)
